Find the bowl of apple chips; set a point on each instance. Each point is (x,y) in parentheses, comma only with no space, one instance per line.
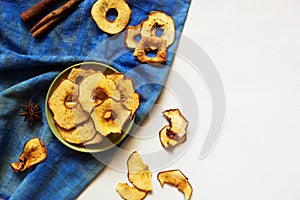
(90,106)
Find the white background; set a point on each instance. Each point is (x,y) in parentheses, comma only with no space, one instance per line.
(255,46)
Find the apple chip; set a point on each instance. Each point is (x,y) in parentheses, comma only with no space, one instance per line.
(95,140)
(102,7)
(128,192)
(115,77)
(178,124)
(129,98)
(110,117)
(178,179)
(80,134)
(166,141)
(94,89)
(67,113)
(131,33)
(77,74)
(34,152)
(138,173)
(151,43)
(159,20)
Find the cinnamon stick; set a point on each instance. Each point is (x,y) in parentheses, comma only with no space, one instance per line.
(52,19)
(36,10)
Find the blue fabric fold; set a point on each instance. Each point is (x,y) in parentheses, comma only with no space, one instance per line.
(29,65)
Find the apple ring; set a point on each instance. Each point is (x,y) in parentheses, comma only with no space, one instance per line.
(99,11)
(161,20)
(94,89)
(130,34)
(147,43)
(67,112)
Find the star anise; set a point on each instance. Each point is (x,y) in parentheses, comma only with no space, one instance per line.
(31,112)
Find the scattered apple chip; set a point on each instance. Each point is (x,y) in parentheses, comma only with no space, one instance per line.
(157,19)
(80,134)
(99,12)
(178,179)
(128,192)
(151,43)
(166,141)
(130,36)
(34,152)
(94,89)
(138,173)
(67,113)
(178,124)
(110,117)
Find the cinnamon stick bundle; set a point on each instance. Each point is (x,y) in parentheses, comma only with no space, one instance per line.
(37,9)
(53,18)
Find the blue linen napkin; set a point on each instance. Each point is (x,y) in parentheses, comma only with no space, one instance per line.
(27,68)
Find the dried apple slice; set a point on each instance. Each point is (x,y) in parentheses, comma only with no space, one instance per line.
(94,89)
(178,124)
(115,77)
(130,34)
(80,134)
(164,22)
(95,140)
(178,179)
(166,141)
(138,172)
(67,113)
(110,117)
(78,74)
(154,43)
(128,192)
(34,152)
(129,98)
(99,11)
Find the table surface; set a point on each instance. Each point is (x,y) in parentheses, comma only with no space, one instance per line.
(254,45)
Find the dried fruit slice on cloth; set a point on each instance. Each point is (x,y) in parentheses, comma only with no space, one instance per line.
(99,14)
(130,36)
(34,152)
(128,192)
(157,21)
(151,43)
(138,172)
(178,179)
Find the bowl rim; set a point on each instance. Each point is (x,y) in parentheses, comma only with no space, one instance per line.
(51,122)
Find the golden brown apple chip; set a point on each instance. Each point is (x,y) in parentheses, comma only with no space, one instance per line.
(110,117)
(67,113)
(81,133)
(34,152)
(166,141)
(77,74)
(138,172)
(178,179)
(94,89)
(178,124)
(99,11)
(128,192)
